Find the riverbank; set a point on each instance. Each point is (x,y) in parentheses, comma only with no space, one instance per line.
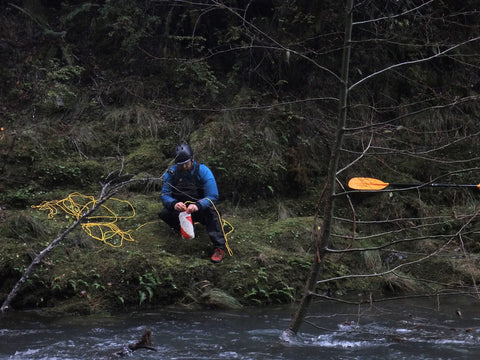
(271,256)
(82,275)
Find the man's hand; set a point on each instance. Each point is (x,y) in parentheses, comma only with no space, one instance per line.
(192,208)
(180,206)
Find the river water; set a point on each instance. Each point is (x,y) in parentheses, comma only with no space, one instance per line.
(447,328)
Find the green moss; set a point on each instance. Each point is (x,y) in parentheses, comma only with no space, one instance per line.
(70,121)
(272,255)
(148,155)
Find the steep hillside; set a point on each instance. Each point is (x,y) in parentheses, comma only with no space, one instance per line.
(94,88)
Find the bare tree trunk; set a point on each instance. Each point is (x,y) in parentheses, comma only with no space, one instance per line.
(329,194)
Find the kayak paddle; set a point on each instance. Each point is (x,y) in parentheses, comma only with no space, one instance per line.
(365,183)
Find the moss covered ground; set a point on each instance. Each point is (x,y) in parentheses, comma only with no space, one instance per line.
(270,206)
(269,262)
(272,255)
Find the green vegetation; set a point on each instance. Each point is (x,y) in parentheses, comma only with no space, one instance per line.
(92,88)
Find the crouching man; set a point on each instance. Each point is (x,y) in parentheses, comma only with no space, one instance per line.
(190,186)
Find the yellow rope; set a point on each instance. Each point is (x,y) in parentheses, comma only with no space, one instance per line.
(223,222)
(77,204)
(108,232)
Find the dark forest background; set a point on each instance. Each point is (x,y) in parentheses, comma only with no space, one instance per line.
(91,87)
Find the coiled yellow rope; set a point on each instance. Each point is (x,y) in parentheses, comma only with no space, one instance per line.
(106,231)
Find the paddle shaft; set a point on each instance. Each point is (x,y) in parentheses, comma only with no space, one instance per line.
(431,185)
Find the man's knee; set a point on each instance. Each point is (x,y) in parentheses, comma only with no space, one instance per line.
(164,214)
(169,217)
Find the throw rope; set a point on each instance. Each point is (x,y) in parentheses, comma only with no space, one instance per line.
(223,223)
(106,231)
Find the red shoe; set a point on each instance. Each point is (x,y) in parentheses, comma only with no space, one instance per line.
(218,255)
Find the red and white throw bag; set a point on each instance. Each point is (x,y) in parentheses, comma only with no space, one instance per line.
(186,225)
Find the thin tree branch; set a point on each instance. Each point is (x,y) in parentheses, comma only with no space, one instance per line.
(390,271)
(393,16)
(410,62)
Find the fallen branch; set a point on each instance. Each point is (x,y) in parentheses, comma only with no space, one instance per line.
(107,191)
(144,343)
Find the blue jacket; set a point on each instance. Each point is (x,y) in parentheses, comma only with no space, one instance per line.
(204,180)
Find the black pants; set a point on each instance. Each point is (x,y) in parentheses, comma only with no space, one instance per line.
(207,217)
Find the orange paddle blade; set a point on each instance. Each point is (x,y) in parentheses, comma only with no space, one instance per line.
(364,183)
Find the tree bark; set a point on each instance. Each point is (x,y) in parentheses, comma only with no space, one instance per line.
(328,201)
